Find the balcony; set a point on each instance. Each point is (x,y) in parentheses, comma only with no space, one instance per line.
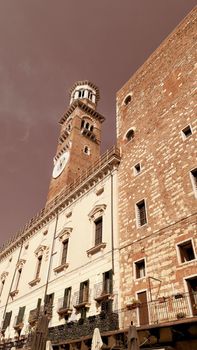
(103,291)
(63,309)
(174,308)
(75,330)
(18,324)
(34,315)
(82,300)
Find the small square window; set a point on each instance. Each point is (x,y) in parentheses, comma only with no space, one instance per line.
(186,251)
(186,132)
(140,269)
(137,169)
(193,176)
(141,213)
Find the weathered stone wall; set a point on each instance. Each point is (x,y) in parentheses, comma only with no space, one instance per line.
(162,104)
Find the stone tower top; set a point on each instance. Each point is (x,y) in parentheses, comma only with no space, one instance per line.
(85,91)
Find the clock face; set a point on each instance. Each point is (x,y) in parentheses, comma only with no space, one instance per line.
(60,164)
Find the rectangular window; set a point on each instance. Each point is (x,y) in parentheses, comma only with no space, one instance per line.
(20,315)
(49,299)
(141,213)
(193,175)
(186,132)
(107,282)
(38,266)
(98,230)
(137,169)
(67,297)
(186,251)
(18,278)
(64,251)
(7,320)
(83,312)
(106,306)
(2,285)
(140,269)
(84,292)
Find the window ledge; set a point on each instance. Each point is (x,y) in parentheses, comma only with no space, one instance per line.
(18,326)
(187,262)
(64,311)
(96,248)
(34,282)
(61,267)
(104,296)
(84,304)
(14,293)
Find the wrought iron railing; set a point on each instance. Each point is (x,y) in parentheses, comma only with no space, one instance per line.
(162,310)
(103,288)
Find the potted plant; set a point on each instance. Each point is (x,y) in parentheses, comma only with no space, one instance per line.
(178,296)
(180,315)
(133,304)
(161,299)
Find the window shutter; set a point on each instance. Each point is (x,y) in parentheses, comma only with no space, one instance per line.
(7,320)
(64,251)
(98,230)
(67,295)
(20,314)
(39,266)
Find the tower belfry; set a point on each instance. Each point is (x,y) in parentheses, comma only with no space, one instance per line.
(80,136)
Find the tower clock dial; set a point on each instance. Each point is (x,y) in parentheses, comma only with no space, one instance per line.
(60,164)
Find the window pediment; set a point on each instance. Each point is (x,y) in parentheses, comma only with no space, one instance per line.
(40,250)
(20,263)
(4,275)
(65,233)
(97,211)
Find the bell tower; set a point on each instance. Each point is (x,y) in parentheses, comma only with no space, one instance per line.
(80,137)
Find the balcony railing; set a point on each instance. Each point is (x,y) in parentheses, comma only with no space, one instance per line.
(76,329)
(165,309)
(34,315)
(64,307)
(103,290)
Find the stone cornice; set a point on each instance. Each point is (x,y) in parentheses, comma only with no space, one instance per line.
(100,169)
(85,108)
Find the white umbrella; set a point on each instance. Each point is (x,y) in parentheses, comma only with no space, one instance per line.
(49,345)
(96,340)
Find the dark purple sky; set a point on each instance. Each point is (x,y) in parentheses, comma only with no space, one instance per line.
(45,47)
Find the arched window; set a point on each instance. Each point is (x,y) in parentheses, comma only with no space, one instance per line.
(91,128)
(82,123)
(127,100)
(129,135)
(87,125)
(86,150)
